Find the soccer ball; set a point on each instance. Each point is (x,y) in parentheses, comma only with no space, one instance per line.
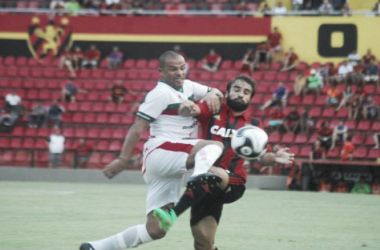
(250,142)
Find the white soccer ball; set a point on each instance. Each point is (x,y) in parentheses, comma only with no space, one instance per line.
(250,142)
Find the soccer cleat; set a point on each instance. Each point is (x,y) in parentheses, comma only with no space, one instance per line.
(209,179)
(86,246)
(166,218)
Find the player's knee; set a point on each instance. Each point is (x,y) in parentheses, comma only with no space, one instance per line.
(203,243)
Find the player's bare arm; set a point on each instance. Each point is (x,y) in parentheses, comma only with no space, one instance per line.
(282,156)
(188,108)
(124,159)
(213,100)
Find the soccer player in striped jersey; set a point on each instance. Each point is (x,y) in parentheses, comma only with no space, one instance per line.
(206,201)
(171,150)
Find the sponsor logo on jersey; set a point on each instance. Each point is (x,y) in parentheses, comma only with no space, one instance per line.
(221,131)
(191,126)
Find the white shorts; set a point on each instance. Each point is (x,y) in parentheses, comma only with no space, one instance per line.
(371,78)
(164,168)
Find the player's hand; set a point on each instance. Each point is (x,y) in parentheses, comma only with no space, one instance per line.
(114,168)
(188,108)
(213,100)
(284,157)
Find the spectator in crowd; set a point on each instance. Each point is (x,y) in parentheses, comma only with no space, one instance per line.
(280,96)
(275,39)
(341,187)
(90,4)
(339,134)
(358,73)
(67,60)
(117,92)
(354,58)
(299,83)
(333,95)
(178,50)
(376,8)
(91,57)
(11,100)
(279,9)
(308,5)
(73,6)
(361,187)
(77,57)
(305,122)
(243,8)
(115,58)
(370,109)
(37,116)
(277,118)
(266,10)
(313,83)
(212,61)
(56,146)
(367,58)
(297,4)
(83,151)
(16,113)
(346,10)
(262,55)
(346,98)
(348,150)
(376,186)
(290,60)
(317,152)
(57,5)
(325,135)
(69,92)
(294,181)
(326,8)
(355,103)
(292,120)
(344,72)
(248,61)
(372,73)
(54,113)
(327,72)
(325,185)
(376,139)
(338,4)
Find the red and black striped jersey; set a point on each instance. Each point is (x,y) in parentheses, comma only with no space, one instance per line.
(220,127)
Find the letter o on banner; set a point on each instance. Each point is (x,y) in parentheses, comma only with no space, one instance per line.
(350,40)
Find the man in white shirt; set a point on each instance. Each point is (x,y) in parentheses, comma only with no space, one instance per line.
(170,152)
(354,58)
(57,5)
(56,145)
(344,71)
(11,100)
(297,4)
(326,8)
(279,9)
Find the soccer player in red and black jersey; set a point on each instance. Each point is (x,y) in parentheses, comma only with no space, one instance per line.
(207,202)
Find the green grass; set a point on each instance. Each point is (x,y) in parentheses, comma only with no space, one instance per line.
(59,216)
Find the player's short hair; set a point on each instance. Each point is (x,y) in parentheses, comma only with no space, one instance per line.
(246,79)
(168,55)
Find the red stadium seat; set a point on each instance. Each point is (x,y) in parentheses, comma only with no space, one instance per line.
(274,137)
(333,153)
(24,72)
(16,143)
(308,100)
(68,132)
(89,118)
(238,65)
(342,113)
(93,96)
(282,77)
(118,133)
(305,152)
(106,133)
(127,120)
(98,107)
(373,154)
(29,143)
(360,153)
(294,150)
(122,108)
(351,125)
(30,132)
(12,71)
(9,61)
(301,139)
(218,76)
(257,99)
(80,133)
(93,133)
(86,106)
(77,118)
(121,74)
(42,159)
(269,76)
(107,158)
(102,118)
(18,131)
(313,138)
(4,142)
(4,83)
(94,161)
(115,146)
(153,64)
(294,100)
(357,139)
(287,138)
(302,66)
(97,73)
(129,63)
(276,66)
(102,145)
(321,100)
(369,141)
(7,157)
(375,126)
(110,107)
(43,132)
(41,144)
(141,64)
(114,119)
(364,125)
(328,112)
(22,158)
(262,88)
(226,65)
(315,112)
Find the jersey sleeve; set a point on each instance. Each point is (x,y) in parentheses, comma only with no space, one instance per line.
(199,90)
(155,103)
(205,113)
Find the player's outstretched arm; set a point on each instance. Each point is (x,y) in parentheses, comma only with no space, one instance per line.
(188,108)
(124,159)
(282,156)
(213,100)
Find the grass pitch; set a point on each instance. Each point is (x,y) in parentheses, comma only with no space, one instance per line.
(59,216)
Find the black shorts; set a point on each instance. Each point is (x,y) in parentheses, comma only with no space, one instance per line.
(212,204)
(262,57)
